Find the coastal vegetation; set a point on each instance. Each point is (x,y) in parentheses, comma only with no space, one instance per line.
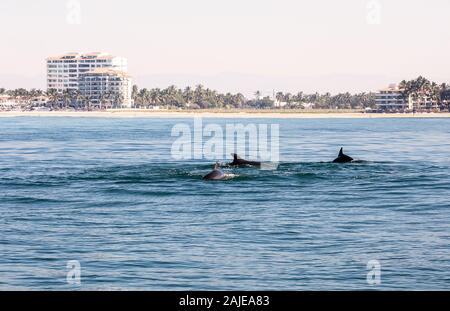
(422,86)
(199,97)
(205,98)
(194,98)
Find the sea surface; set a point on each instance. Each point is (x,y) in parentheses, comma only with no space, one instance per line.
(107,193)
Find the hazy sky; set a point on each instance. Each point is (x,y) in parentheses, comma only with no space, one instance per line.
(235,45)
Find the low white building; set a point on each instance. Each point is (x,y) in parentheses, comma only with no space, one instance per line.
(307,105)
(422,102)
(10,105)
(5,98)
(279,103)
(39,101)
(391,98)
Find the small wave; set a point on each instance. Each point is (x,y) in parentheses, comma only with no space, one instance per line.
(32,200)
(229,176)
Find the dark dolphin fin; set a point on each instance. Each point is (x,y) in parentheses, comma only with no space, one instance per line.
(236,157)
(341,152)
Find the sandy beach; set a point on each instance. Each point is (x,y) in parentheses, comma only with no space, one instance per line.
(216,114)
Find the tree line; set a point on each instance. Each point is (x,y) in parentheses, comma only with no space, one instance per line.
(200,97)
(205,98)
(424,87)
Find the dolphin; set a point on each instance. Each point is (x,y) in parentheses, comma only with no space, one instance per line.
(215,174)
(342,158)
(237,161)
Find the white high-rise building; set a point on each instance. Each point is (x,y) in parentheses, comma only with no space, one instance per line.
(63,71)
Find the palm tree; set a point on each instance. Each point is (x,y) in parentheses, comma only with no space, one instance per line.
(239,100)
(77,99)
(199,95)
(101,100)
(155,97)
(66,97)
(73,96)
(188,95)
(134,92)
(142,97)
(435,93)
(117,100)
(86,100)
(53,97)
(279,97)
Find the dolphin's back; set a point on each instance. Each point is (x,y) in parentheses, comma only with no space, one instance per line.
(237,161)
(214,175)
(342,158)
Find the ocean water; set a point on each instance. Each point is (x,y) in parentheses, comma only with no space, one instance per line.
(107,193)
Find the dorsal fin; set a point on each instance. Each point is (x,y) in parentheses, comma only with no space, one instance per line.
(341,152)
(235,156)
(216,166)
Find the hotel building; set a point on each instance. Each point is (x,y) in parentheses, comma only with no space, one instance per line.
(106,87)
(422,101)
(64,72)
(391,98)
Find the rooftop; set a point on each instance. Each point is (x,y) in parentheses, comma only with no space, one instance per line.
(77,55)
(392,88)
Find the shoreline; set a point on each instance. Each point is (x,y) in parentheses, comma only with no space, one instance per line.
(219,114)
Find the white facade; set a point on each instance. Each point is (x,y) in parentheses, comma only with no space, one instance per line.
(106,87)
(279,103)
(39,101)
(391,98)
(10,105)
(63,72)
(4,98)
(422,102)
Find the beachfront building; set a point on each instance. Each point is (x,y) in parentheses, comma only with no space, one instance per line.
(445,100)
(63,71)
(4,98)
(279,104)
(391,99)
(8,103)
(422,102)
(39,101)
(106,88)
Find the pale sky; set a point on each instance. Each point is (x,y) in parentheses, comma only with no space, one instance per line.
(235,45)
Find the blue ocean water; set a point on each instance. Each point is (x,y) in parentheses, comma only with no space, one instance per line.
(106,192)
